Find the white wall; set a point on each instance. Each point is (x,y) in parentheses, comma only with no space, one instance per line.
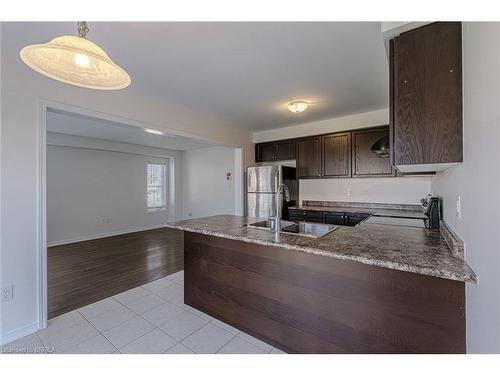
(20,168)
(357,121)
(206,191)
(477,182)
(400,190)
(94,191)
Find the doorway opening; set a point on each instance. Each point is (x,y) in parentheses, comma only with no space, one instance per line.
(108,185)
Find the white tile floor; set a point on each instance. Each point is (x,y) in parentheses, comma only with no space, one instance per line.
(149,319)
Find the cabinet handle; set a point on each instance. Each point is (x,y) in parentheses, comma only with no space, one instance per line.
(452,70)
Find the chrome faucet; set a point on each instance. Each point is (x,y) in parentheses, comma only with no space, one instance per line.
(277,217)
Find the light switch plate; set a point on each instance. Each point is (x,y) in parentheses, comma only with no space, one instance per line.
(7,293)
(459,207)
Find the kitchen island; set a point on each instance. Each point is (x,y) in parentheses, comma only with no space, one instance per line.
(365,289)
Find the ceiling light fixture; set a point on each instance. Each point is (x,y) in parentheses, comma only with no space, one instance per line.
(77,61)
(154,131)
(298,106)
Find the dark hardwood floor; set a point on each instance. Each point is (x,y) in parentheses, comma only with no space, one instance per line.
(85,272)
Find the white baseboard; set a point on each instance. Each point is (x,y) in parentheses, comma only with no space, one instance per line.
(18,333)
(97,236)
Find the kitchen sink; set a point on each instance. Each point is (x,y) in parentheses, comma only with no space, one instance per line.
(270,224)
(309,229)
(306,229)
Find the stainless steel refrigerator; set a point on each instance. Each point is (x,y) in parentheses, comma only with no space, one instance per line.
(262,187)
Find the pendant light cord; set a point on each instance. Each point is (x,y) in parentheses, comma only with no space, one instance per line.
(83,29)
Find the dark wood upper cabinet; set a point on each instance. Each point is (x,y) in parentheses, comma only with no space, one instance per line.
(274,151)
(336,155)
(265,152)
(309,158)
(285,150)
(365,162)
(426,96)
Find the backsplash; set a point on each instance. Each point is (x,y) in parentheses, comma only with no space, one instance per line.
(367,205)
(395,190)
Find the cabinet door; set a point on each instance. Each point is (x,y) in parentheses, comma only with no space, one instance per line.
(296,216)
(314,216)
(366,163)
(336,155)
(265,152)
(309,216)
(427,98)
(354,219)
(285,151)
(308,158)
(336,218)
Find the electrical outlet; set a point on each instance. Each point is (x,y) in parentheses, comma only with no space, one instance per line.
(459,207)
(7,293)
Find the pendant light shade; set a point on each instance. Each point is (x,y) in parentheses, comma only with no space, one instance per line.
(76,61)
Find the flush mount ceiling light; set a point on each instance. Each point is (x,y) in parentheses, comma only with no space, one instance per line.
(77,61)
(298,106)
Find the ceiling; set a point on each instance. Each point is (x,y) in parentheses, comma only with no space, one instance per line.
(72,124)
(244,73)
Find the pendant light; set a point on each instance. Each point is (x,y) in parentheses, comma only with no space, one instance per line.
(77,61)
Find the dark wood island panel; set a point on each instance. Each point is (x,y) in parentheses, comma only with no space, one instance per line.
(305,303)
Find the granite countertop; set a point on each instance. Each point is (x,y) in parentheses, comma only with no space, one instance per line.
(417,250)
(386,212)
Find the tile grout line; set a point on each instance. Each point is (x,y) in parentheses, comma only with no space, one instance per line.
(230,341)
(154,326)
(269,350)
(101,333)
(155,293)
(140,315)
(137,338)
(139,298)
(128,320)
(209,322)
(65,329)
(192,333)
(39,338)
(178,343)
(173,338)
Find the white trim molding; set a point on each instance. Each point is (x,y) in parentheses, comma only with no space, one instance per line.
(42,214)
(417,168)
(44,105)
(19,333)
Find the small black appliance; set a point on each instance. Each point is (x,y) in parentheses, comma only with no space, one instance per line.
(433,210)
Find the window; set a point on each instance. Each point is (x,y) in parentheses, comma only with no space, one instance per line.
(156,190)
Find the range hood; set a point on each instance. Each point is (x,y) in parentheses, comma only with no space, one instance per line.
(382,147)
(424,168)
